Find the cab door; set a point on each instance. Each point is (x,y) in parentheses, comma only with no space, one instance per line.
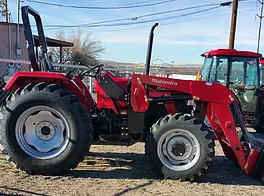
(244,81)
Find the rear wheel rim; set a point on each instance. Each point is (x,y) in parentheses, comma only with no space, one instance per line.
(42,132)
(178,150)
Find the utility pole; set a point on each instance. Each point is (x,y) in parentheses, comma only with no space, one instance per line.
(233,25)
(260,22)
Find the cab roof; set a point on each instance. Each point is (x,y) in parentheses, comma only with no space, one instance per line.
(231,52)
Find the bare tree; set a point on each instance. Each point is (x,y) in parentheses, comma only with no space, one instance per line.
(84,52)
(2,9)
(5,14)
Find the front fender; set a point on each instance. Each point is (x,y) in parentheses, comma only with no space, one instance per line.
(21,79)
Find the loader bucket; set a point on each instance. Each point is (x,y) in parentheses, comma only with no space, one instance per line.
(259,171)
(257,141)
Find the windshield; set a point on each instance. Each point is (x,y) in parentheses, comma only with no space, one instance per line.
(219,70)
(206,68)
(243,70)
(215,69)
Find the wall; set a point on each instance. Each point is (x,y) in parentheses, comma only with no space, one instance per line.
(4,48)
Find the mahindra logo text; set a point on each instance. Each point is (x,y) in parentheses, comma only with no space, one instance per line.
(164,82)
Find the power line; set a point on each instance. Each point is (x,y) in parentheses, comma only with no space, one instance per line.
(147,26)
(165,24)
(140,22)
(99,7)
(137,17)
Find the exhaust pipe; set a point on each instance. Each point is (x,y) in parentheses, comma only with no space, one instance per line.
(150,44)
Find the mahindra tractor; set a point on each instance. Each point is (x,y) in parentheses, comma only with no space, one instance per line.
(241,72)
(49,120)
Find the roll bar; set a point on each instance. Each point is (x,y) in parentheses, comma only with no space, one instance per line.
(45,64)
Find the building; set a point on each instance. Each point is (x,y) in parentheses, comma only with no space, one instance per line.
(8,40)
(8,48)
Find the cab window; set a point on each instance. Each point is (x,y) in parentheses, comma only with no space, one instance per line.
(244,71)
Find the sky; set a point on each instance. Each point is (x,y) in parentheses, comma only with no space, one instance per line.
(179,40)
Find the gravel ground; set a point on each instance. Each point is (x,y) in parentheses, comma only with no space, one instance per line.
(116,170)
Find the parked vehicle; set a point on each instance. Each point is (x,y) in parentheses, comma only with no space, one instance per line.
(240,71)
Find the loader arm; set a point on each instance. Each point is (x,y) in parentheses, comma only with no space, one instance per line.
(219,101)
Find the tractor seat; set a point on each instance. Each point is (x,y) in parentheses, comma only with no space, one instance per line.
(115,87)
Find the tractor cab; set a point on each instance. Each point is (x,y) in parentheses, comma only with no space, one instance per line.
(237,70)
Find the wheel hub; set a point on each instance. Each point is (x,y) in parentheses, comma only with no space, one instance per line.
(178,149)
(42,132)
(45,130)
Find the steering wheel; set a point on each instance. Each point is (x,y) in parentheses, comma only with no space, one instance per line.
(93,71)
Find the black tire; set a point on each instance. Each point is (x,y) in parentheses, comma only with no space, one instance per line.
(183,122)
(68,105)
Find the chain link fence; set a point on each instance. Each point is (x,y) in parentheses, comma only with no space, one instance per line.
(4,67)
(6,71)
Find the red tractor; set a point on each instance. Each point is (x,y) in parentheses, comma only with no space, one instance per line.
(240,71)
(49,120)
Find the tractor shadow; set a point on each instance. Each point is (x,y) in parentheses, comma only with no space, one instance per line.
(135,166)
(114,166)
(226,172)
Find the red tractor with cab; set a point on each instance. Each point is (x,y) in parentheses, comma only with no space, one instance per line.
(240,71)
(49,120)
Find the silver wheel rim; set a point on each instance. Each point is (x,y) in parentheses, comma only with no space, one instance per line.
(178,150)
(42,132)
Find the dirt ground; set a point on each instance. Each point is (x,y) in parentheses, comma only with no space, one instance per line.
(116,170)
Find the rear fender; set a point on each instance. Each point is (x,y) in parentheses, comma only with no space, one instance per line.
(21,79)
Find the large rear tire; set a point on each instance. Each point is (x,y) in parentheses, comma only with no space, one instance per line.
(179,147)
(45,129)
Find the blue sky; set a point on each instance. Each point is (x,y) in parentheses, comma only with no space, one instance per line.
(180,40)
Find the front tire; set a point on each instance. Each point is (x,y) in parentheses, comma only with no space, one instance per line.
(45,129)
(179,147)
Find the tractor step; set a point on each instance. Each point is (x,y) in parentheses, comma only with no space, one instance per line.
(113,139)
(259,167)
